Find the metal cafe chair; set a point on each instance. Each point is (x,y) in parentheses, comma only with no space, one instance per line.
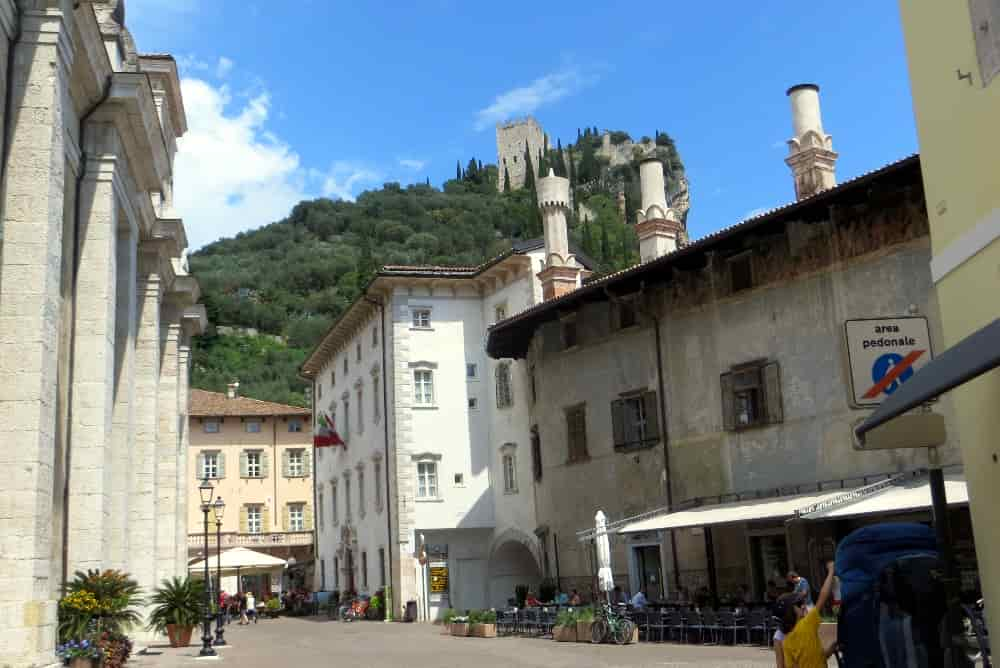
(710,623)
(757,623)
(675,624)
(729,622)
(694,623)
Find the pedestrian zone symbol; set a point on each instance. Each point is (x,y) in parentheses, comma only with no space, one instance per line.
(884,354)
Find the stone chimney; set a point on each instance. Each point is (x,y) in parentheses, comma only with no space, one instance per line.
(810,150)
(657,225)
(233,389)
(561,274)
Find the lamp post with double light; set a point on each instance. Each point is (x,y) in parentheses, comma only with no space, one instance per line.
(219,508)
(205,490)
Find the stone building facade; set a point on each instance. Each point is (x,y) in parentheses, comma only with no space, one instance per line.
(97,311)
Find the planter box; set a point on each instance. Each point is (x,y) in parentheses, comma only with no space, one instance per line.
(564,633)
(827,634)
(484,630)
(80,662)
(583,631)
(179,636)
(461,630)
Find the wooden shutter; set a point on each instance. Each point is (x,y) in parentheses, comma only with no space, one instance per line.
(284,464)
(772,390)
(200,466)
(243,520)
(728,402)
(244,468)
(618,421)
(286,517)
(265,465)
(652,411)
(221,458)
(265,519)
(985,16)
(306,463)
(307,517)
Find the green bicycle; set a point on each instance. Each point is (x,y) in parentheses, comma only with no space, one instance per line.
(611,625)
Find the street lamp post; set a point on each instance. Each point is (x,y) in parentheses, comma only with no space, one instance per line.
(219,507)
(205,489)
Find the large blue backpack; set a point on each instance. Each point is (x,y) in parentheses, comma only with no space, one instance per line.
(892,597)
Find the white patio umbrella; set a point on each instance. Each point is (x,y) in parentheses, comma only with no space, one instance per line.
(240,559)
(605,581)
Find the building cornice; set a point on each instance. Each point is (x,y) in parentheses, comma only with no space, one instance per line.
(163,68)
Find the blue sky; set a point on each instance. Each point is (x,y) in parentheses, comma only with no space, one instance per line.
(333,98)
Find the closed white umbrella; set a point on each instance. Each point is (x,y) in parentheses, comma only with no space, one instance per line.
(605,581)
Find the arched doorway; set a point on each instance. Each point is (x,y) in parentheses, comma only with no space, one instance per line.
(513,562)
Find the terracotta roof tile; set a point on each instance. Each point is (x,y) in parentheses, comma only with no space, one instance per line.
(203,403)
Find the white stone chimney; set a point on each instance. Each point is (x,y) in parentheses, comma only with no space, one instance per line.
(561,273)
(657,225)
(810,151)
(233,389)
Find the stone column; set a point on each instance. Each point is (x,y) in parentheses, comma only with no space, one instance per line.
(183,483)
(94,357)
(31,256)
(123,415)
(142,481)
(167,443)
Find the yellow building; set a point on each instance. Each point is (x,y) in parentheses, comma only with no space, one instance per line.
(258,457)
(954,57)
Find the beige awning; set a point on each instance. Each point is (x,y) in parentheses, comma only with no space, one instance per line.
(242,559)
(901,497)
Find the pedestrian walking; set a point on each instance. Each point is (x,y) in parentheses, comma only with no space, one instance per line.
(251,608)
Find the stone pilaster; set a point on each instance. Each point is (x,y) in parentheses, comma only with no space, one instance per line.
(167,444)
(183,376)
(142,481)
(91,474)
(123,413)
(31,321)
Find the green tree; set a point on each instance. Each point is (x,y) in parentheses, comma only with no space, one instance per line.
(506,180)
(458,171)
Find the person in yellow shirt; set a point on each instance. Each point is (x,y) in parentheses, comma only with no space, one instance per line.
(802,647)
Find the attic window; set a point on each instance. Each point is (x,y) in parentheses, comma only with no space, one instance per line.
(740,272)
(569,337)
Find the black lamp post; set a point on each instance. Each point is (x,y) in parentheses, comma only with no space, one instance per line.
(219,507)
(205,490)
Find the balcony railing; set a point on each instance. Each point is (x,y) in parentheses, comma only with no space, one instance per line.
(197,541)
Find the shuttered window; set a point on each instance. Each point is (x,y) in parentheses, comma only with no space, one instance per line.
(253,519)
(296,463)
(635,421)
(254,464)
(576,433)
(751,396)
(211,465)
(296,517)
(505,394)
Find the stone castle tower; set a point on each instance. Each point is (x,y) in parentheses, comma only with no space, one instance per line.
(511,138)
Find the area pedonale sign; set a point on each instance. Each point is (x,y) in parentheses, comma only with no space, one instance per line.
(884,353)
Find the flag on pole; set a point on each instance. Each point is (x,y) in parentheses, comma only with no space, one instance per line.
(325,434)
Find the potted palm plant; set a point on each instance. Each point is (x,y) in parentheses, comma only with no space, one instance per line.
(565,627)
(178,606)
(584,622)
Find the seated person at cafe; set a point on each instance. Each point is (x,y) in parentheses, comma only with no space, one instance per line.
(562,598)
(639,600)
(574,598)
(531,600)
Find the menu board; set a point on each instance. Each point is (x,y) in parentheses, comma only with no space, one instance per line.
(438,574)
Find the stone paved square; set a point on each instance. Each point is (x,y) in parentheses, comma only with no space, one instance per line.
(316,641)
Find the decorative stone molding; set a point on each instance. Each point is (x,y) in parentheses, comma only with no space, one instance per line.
(558,280)
(810,151)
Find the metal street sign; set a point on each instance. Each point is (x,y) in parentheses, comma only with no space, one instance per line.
(884,353)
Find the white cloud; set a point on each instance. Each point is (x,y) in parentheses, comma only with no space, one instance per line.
(526,99)
(753,213)
(410,163)
(344,179)
(223,67)
(190,63)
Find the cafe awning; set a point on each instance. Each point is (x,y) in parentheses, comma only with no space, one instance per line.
(967,359)
(242,559)
(910,495)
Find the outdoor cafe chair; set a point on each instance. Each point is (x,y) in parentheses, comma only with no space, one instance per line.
(729,622)
(506,622)
(694,623)
(710,623)
(757,623)
(675,624)
(547,620)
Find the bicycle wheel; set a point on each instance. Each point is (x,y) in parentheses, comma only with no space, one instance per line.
(599,631)
(623,634)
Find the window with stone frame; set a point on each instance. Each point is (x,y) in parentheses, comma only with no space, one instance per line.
(252,426)
(427,480)
(635,421)
(345,432)
(333,378)
(508,465)
(319,389)
(253,464)
(376,399)
(576,433)
(357,356)
(421,318)
(334,517)
(345,364)
(361,491)
(375,336)
(254,518)
(505,392)
(347,498)
(381,567)
(361,406)
(377,474)
(211,465)
(210,427)
(296,517)
(751,395)
(423,387)
(364,569)
(295,426)
(319,504)
(296,463)
(536,454)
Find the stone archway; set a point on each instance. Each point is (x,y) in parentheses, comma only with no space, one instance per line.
(514,560)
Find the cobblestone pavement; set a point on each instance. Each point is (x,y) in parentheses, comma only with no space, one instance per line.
(314,642)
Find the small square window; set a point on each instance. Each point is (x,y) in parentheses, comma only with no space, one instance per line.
(422,318)
(459,479)
(473,403)
(211,427)
(252,427)
(471,371)
(294,426)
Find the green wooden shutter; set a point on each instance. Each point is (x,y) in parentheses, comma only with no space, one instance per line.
(618,421)
(728,402)
(200,467)
(307,517)
(243,519)
(772,390)
(221,457)
(265,519)
(265,464)
(244,472)
(284,464)
(652,411)
(306,463)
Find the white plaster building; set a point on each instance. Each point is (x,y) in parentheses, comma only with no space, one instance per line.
(96,313)
(437,457)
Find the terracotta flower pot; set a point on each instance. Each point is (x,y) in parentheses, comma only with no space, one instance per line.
(459,629)
(484,630)
(583,631)
(564,633)
(179,636)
